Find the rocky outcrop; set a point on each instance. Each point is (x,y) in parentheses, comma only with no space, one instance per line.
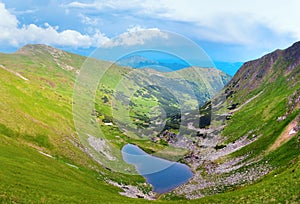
(268,68)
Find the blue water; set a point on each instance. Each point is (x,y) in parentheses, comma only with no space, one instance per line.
(162,174)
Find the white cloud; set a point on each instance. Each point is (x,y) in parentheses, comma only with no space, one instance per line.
(87,20)
(221,21)
(16,35)
(108,4)
(49,35)
(99,39)
(77,4)
(230,21)
(235,19)
(7,19)
(135,36)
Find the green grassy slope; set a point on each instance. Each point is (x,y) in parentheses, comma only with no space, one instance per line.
(36,87)
(36,115)
(273,82)
(262,107)
(30,177)
(277,91)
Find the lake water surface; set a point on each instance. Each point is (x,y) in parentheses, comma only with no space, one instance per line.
(162,174)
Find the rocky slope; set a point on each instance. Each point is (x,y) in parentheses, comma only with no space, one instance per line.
(267,69)
(261,133)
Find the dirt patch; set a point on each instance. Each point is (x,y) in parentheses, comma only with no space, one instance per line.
(248,101)
(15,73)
(287,134)
(50,83)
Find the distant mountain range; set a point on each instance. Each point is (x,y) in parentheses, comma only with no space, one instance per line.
(164,65)
(138,61)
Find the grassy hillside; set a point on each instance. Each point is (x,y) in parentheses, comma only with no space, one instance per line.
(247,140)
(263,99)
(36,116)
(273,84)
(43,161)
(28,176)
(275,90)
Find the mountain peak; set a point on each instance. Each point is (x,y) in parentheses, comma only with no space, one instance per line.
(292,55)
(32,49)
(60,58)
(267,68)
(296,44)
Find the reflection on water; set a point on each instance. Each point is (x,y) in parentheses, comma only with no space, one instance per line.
(162,174)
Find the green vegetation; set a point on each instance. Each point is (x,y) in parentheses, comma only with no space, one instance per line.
(258,119)
(30,177)
(36,115)
(42,159)
(274,188)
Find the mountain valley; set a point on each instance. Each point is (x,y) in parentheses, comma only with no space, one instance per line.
(241,139)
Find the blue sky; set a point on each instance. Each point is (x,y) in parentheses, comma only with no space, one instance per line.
(230,31)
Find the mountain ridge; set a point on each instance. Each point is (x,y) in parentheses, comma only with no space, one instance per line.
(259,135)
(251,70)
(39,140)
